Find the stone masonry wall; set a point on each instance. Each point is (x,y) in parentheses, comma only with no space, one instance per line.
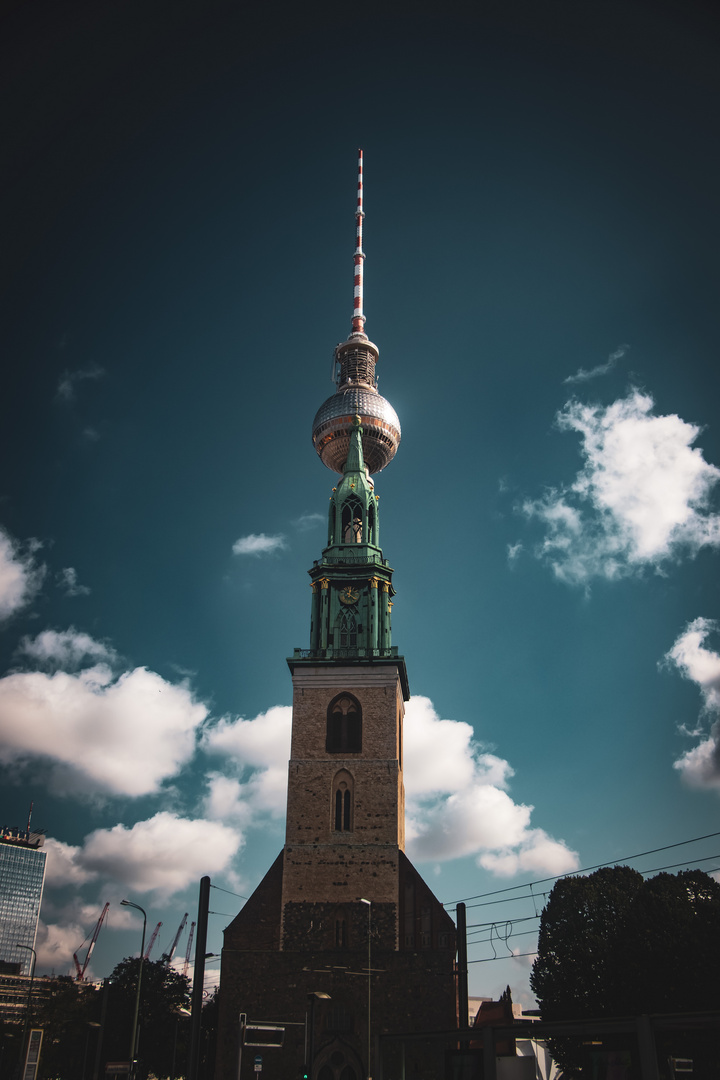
(410,992)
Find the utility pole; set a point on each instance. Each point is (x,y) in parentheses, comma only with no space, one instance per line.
(198,978)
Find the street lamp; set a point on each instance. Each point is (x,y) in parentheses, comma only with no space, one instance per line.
(29,948)
(310,1036)
(133,1040)
(369,907)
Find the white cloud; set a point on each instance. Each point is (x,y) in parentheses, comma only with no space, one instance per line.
(55,945)
(641,500)
(458,804)
(258,751)
(513,552)
(700,766)
(309,521)
(20,575)
(258,544)
(65,648)
(163,855)
(69,379)
(95,733)
(67,579)
(582,375)
(64,865)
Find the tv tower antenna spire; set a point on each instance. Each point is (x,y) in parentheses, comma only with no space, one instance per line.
(354,376)
(358,320)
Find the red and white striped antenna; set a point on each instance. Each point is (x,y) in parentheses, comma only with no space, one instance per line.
(358,321)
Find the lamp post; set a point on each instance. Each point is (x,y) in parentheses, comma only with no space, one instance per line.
(29,948)
(310,1035)
(133,1040)
(369,1052)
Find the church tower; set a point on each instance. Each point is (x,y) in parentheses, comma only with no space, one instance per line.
(342,912)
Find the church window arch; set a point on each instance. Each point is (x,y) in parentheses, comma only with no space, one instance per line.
(344,725)
(338,1061)
(343,802)
(331,523)
(372,537)
(352,522)
(346,637)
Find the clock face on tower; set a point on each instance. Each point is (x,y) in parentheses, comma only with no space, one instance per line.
(349,595)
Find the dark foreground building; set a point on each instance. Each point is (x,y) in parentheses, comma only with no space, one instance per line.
(342,911)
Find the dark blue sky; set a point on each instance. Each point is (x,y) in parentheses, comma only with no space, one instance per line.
(541,196)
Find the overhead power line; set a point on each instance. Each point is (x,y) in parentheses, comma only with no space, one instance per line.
(585,870)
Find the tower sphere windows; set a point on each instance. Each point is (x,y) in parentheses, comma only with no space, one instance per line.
(333,425)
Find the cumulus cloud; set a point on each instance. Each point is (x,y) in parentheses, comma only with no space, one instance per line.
(641,500)
(55,945)
(258,544)
(96,733)
(20,574)
(309,521)
(163,855)
(583,375)
(67,580)
(69,380)
(513,552)
(257,751)
(700,766)
(458,803)
(64,865)
(65,648)
(457,798)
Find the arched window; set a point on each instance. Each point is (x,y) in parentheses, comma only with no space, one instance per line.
(372,538)
(337,1061)
(331,523)
(344,725)
(346,630)
(342,804)
(352,522)
(343,809)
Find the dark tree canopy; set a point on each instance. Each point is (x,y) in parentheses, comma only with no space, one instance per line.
(612,944)
(163,991)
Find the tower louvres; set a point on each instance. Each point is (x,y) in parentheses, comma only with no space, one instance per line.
(356,382)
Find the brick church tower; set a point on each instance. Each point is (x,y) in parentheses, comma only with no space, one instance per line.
(342,912)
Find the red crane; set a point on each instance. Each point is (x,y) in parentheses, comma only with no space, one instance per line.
(167,957)
(80,970)
(189,949)
(152,941)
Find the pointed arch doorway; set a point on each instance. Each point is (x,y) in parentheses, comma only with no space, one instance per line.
(338,1061)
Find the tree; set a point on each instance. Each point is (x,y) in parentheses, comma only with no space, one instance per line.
(612,944)
(69,1013)
(163,992)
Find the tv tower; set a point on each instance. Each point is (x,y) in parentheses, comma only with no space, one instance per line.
(354,376)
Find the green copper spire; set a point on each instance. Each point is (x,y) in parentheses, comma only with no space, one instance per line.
(353,504)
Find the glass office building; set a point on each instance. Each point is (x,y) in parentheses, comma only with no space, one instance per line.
(22,876)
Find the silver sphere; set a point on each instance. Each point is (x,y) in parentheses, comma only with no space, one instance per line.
(334,421)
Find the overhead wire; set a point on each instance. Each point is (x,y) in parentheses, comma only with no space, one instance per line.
(584,870)
(477,929)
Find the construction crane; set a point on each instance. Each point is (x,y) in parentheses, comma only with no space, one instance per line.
(151,942)
(81,969)
(167,957)
(189,949)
